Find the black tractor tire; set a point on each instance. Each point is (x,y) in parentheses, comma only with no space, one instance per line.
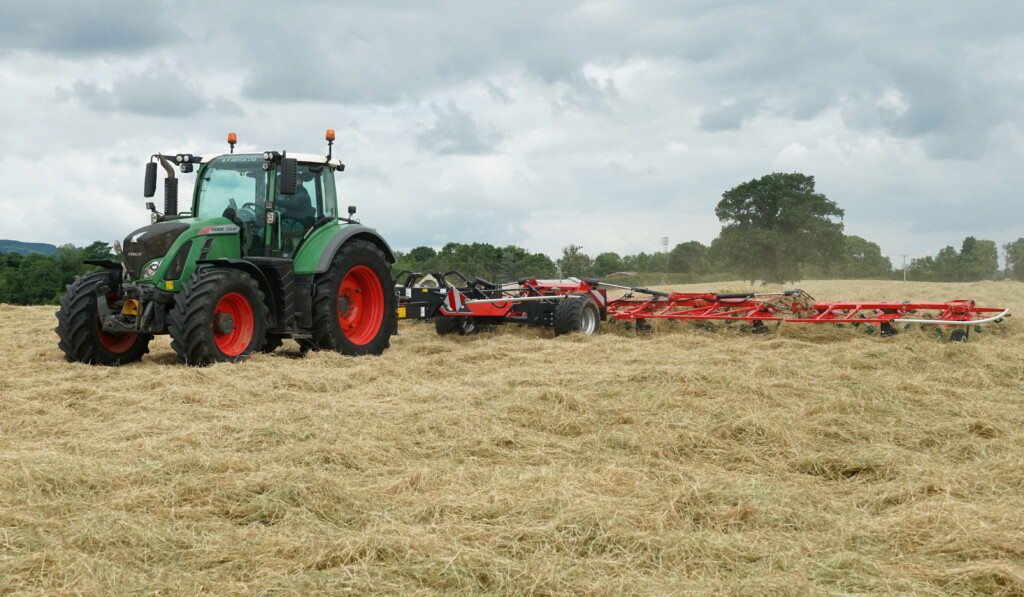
(219,316)
(354,309)
(78,324)
(452,324)
(577,315)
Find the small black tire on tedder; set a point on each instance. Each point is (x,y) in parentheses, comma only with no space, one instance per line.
(461,325)
(82,338)
(577,313)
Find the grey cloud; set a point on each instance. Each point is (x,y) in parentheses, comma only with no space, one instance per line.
(91,96)
(497,93)
(956,69)
(588,95)
(730,116)
(153,93)
(368,172)
(80,29)
(389,55)
(226,107)
(437,229)
(798,59)
(157,93)
(455,132)
(802,62)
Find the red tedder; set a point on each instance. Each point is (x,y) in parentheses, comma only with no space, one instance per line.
(579,305)
(796,306)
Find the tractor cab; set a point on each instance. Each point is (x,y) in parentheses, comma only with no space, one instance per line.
(242,187)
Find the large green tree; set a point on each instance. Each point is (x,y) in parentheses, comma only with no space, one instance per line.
(690,258)
(574,262)
(863,259)
(1015,259)
(773,226)
(607,263)
(979,260)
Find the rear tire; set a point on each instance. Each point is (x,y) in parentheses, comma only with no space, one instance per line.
(354,309)
(78,325)
(218,316)
(577,315)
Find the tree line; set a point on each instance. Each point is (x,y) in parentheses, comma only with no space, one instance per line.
(775,229)
(37,279)
(692,261)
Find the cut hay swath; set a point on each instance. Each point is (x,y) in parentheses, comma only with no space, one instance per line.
(809,461)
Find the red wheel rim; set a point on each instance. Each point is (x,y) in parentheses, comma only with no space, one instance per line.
(235,341)
(115,343)
(360,305)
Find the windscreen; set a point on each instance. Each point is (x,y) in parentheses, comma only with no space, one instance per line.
(238,182)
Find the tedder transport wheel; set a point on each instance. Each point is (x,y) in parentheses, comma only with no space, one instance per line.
(352,313)
(578,314)
(78,324)
(218,316)
(272,343)
(455,324)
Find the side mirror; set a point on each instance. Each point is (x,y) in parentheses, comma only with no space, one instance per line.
(351,210)
(287,182)
(150,188)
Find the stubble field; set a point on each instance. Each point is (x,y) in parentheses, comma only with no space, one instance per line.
(811,460)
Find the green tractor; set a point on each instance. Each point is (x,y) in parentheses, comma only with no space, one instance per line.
(261,255)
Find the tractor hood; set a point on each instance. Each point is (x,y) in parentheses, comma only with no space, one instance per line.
(148,243)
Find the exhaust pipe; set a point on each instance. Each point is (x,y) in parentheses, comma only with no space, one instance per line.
(170,185)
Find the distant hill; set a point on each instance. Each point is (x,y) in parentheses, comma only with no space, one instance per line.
(16,246)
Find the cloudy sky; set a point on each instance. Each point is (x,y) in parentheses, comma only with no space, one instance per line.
(606,124)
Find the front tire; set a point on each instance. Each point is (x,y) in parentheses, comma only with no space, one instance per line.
(354,303)
(78,325)
(218,316)
(578,314)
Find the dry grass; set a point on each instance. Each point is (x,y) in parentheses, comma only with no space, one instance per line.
(812,460)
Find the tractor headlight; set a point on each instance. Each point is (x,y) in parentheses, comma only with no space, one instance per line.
(150,270)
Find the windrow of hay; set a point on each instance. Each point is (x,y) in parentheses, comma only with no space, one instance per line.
(812,459)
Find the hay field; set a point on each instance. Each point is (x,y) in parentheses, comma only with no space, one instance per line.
(812,460)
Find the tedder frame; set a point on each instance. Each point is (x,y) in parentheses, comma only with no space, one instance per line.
(574,304)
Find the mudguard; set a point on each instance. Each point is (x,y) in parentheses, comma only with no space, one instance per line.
(324,248)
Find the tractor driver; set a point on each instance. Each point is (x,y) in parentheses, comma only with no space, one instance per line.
(297,216)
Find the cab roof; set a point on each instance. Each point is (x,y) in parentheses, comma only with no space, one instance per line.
(303,158)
